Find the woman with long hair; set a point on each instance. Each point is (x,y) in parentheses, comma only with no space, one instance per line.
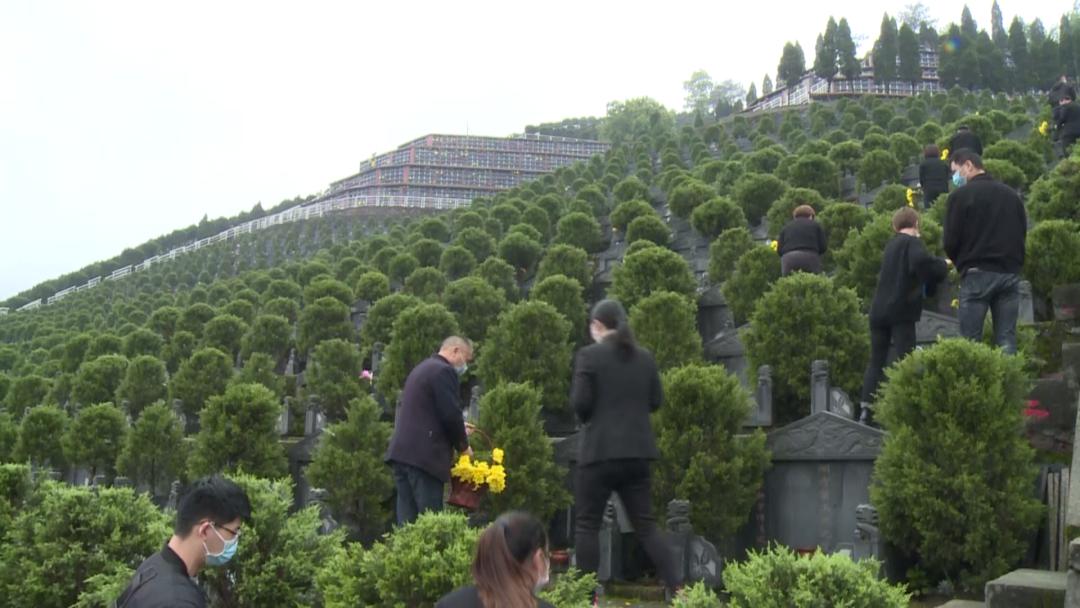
(511,565)
(616,388)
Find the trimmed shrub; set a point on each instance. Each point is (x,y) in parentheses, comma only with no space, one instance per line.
(838,220)
(334,375)
(816,172)
(418,332)
(846,155)
(479,243)
(1056,196)
(1053,255)
(580,230)
(779,578)
(98,379)
(426,283)
(628,211)
(204,375)
(1006,172)
(715,216)
(650,228)
(457,262)
(726,250)
(878,167)
(954,478)
(806,317)
(889,199)
(686,197)
(499,275)
(475,304)
(571,589)
(541,355)
(756,192)
(325,319)
(666,324)
(1021,156)
(566,260)
(219,447)
(373,285)
(755,272)
(564,294)
(629,189)
(648,270)
(154,452)
(702,459)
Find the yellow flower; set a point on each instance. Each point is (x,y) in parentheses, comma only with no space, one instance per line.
(774,244)
(496,479)
(497,456)
(1044,128)
(944,153)
(955,303)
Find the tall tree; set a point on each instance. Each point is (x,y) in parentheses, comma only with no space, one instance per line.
(792,64)
(751,95)
(910,69)
(845,50)
(1067,47)
(699,90)
(992,72)
(1043,51)
(1018,50)
(885,52)
(766,85)
(928,35)
(997,28)
(968,27)
(917,16)
(825,56)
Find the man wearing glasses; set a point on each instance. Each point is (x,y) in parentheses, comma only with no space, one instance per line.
(206,533)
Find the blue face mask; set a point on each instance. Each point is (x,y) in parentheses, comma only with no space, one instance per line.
(462,369)
(227,551)
(958,180)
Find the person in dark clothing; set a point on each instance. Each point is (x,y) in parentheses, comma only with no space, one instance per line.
(1061,89)
(428,426)
(801,243)
(616,387)
(1067,122)
(205,533)
(510,566)
(965,139)
(985,231)
(908,271)
(933,175)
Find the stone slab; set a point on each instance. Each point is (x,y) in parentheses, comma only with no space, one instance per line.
(962,604)
(1026,588)
(1072,512)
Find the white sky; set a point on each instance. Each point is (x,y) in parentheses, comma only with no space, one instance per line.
(122,121)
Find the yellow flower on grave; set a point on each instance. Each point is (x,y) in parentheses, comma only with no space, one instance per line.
(497,456)
(955,303)
(774,245)
(910,197)
(944,153)
(1044,128)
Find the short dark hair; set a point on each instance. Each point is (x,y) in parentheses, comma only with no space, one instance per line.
(215,498)
(803,211)
(964,155)
(931,151)
(963,128)
(905,217)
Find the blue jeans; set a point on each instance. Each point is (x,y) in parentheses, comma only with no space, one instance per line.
(417,491)
(997,292)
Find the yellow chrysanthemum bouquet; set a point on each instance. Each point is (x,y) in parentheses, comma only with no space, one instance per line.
(471,477)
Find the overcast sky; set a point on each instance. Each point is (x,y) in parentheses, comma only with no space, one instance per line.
(121,121)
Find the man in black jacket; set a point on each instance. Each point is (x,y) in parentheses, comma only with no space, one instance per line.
(965,139)
(1067,122)
(428,426)
(985,232)
(908,271)
(206,533)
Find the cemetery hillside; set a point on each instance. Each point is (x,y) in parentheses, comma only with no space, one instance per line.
(273,348)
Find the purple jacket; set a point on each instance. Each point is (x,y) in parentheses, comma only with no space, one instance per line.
(428,425)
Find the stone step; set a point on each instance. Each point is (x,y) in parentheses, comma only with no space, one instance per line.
(963,604)
(1026,588)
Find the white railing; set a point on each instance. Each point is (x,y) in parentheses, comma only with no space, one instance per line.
(292,214)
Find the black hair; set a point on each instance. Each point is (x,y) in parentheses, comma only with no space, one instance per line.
(963,128)
(612,315)
(215,498)
(964,155)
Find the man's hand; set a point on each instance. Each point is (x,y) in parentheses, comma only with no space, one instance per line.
(469,428)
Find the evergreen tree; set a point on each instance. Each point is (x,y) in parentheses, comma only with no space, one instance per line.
(334,375)
(845,49)
(239,433)
(885,52)
(1018,50)
(540,356)
(1067,47)
(792,65)
(997,28)
(825,53)
(968,28)
(992,72)
(766,85)
(94,438)
(751,95)
(910,69)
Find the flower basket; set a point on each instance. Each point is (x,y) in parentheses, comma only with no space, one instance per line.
(470,481)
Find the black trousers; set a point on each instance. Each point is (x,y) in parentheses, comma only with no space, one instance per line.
(903,336)
(632,481)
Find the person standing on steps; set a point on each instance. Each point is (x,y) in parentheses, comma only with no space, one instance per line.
(615,389)
(965,139)
(1067,123)
(985,234)
(908,272)
(801,243)
(428,426)
(206,533)
(933,175)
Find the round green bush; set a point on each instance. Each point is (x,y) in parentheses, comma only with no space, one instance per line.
(929,133)
(846,155)
(648,270)
(566,260)
(417,333)
(756,192)
(953,483)
(1006,172)
(580,230)
(755,271)
(651,228)
(726,250)
(889,199)
(629,189)
(905,148)
(627,211)
(839,219)
(1057,195)
(875,141)
(541,355)
(687,196)
(714,217)
(877,167)
(805,317)
(816,172)
(780,212)
(765,160)
(1023,157)
(456,262)
(666,324)
(780,578)
(704,457)
(475,304)
(564,294)
(1053,255)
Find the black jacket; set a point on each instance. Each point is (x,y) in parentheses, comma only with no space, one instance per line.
(965,139)
(469,597)
(801,234)
(162,581)
(1067,119)
(934,175)
(985,227)
(429,425)
(906,267)
(1060,90)
(613,398)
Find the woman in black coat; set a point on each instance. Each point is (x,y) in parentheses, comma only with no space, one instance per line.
(934,175)
(801,243)
(616,388)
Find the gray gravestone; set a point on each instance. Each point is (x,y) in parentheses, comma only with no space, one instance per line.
(819,386)
(1072,513)
(762,414)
